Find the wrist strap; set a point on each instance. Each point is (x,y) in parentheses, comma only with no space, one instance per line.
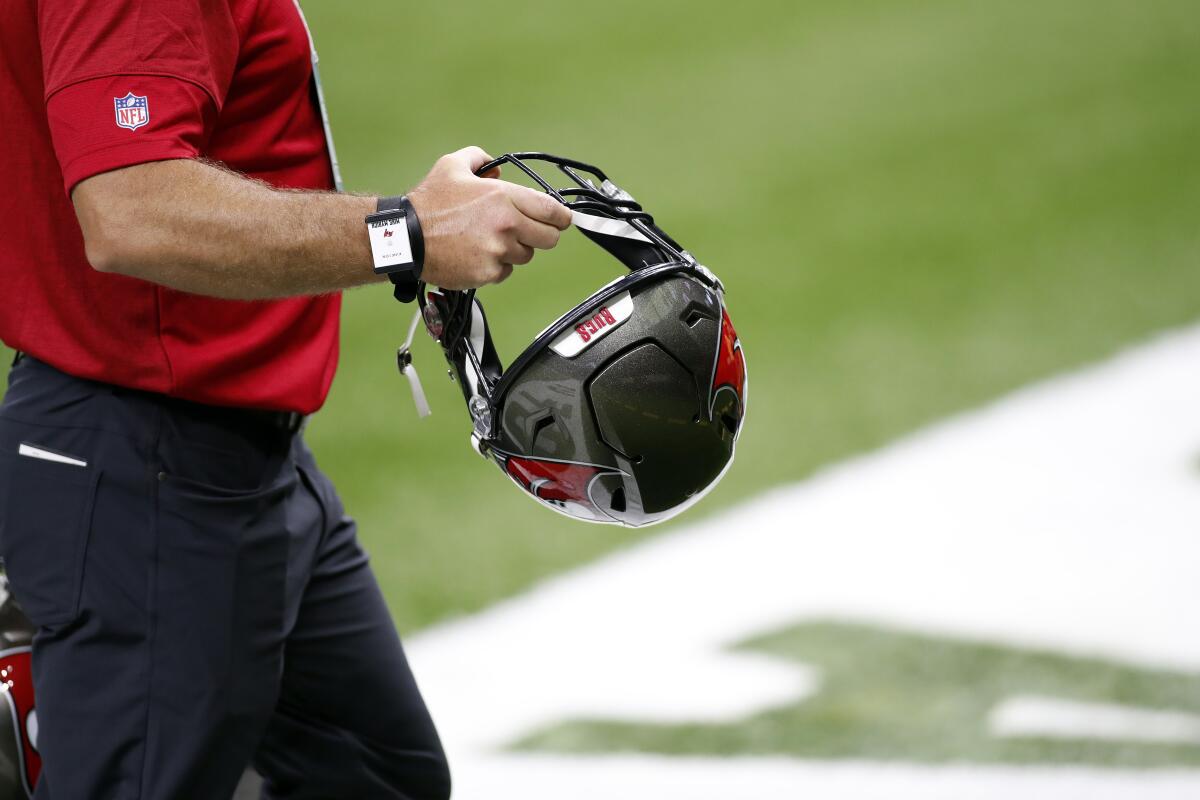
(405,278)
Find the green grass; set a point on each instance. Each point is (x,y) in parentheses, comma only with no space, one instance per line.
(888,695)
(915,208)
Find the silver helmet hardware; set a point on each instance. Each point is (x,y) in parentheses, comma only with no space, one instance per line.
(627,408)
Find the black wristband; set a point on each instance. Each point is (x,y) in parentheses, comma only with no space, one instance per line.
(404,277)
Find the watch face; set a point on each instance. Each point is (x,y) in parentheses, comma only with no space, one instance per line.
(390,245)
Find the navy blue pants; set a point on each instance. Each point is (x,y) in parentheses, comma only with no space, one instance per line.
(202,604)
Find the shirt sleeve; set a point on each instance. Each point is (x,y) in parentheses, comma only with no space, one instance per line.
(133,81)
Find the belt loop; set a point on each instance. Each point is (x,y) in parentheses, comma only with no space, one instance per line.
(17,356)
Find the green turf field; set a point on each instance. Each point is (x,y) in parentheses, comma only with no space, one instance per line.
(915,207)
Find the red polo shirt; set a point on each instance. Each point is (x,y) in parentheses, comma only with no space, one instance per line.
(87,87)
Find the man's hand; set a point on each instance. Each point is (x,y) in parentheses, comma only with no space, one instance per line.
(200,228)
(476,228)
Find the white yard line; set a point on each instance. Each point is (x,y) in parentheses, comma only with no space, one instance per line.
(639,777)
(1054,717)
(1065,516)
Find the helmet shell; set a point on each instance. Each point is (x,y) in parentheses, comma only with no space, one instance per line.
(636,416)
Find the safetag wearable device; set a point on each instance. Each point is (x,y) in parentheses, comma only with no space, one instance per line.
(397,245)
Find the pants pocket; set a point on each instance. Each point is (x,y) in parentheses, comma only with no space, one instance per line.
(47,515)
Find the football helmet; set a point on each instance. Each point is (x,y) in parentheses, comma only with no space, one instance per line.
(627,408)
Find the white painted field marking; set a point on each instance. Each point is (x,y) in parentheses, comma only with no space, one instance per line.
(1065,516)
(1054,717)
(646,778)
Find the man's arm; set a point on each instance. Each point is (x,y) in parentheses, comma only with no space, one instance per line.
(197,227)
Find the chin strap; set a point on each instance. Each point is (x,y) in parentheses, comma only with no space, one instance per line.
(455,319)
(404,362)
(479,369)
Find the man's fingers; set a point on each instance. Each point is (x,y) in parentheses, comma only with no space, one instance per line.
(537,234)
(502,275)
(539,206)
(517,253)
(471,158)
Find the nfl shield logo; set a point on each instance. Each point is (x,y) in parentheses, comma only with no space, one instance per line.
(132,111)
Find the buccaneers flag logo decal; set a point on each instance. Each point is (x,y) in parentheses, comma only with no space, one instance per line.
(730,369)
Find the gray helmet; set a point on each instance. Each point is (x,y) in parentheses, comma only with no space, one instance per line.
(626,409)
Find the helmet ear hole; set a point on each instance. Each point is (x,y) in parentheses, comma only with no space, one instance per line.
(617,503)
(539,427)
(730,422)
(694,314)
